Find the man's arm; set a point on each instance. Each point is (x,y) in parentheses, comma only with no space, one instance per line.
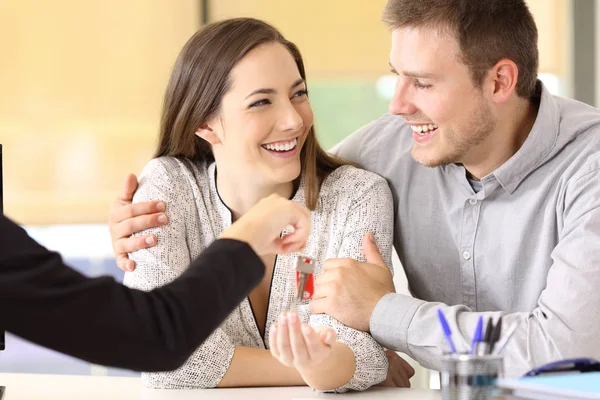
(361,147)
(101,321)
(566,321)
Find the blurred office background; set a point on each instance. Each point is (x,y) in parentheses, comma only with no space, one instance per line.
(82,85)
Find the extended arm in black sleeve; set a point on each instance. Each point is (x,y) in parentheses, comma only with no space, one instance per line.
(102,321)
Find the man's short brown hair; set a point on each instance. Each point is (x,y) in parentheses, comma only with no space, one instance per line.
(486,31)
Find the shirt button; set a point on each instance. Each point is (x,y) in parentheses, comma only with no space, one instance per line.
(466,255)
(472,201)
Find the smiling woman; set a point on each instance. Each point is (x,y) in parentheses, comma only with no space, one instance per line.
(237,126)
(264,112)
(247,93)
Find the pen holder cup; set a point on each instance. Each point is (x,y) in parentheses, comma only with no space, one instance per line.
(470,377)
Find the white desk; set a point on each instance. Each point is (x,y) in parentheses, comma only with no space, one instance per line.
(71,387)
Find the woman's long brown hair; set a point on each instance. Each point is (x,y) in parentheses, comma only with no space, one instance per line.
(200,79)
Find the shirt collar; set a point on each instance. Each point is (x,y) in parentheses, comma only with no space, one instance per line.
(539,143)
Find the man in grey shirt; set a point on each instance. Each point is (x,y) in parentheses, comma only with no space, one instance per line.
(506,222)
(496,191)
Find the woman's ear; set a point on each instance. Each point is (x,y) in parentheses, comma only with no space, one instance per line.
(208,134)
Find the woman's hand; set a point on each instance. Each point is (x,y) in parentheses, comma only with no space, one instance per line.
(300,345)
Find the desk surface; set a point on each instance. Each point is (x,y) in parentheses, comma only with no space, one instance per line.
(67,387)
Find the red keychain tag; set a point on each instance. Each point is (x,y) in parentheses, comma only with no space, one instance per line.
(309,288)
(305,282)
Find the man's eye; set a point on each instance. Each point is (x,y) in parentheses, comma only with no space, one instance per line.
(301,93)
(420,85)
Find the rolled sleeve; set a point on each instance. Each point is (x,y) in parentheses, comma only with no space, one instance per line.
(391,319)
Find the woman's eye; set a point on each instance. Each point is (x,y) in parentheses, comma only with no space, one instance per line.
(259,103)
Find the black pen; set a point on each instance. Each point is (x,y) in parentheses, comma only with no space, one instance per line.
(495,335)
(487,335)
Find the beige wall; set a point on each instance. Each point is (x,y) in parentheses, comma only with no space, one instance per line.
(82,83)
(338,38)
(551,17)
(341,38)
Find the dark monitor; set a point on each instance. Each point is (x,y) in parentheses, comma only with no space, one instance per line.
(1,184)
(2,343)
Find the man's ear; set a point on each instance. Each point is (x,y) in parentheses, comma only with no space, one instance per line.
(208,134)
(505,74)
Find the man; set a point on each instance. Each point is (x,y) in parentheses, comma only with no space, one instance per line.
(496,191)
(104,322)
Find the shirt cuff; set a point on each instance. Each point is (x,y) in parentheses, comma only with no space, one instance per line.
(391,319)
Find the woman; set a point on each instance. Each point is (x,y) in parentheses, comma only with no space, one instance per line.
(237,126)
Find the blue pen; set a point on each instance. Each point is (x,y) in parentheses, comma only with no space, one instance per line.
(477,337)
(446,329)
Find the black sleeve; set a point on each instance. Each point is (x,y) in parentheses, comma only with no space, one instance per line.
(104,322)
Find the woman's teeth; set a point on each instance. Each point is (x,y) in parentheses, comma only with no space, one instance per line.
(424,129)
(281,146)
